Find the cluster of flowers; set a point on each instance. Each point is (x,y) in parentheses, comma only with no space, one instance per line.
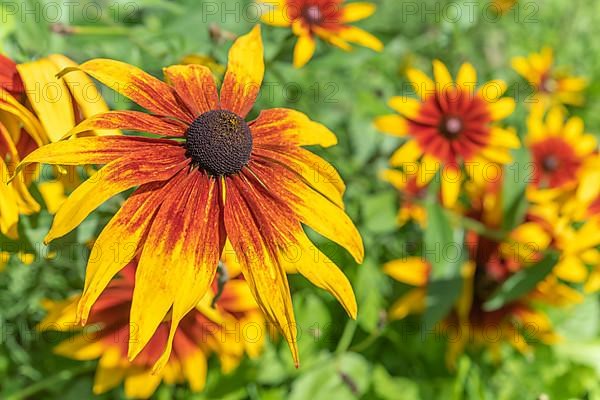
(215,223)
(195,261)
(453,127)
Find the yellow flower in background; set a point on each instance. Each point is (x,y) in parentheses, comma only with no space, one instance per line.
(202,332)
(552,85)
(326,19)
(60,103)
(559,149)
(205,60)
(20,131)
(413,271)
(580,254)
(38,108)
(490,263)
(450,128)
(211,176)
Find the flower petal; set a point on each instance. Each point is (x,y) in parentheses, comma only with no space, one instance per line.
(133,121)
(92,150)
(360,36)
(311,207)
(504,138)
(86,95)
(277,17)
(49,97)
(313,170)
(356,11)
(315,266)
(117,244)
(409,152)
(194,368)
(195,86)
(29,121)
(412,270)
(442,76)
(392,124)
(451,183)
(247,218)
(154,165)
(245,72)
(282,126)
(421,83)
(304,50)
(502,108)
(9,211)
(178,262)
(139,86)
(141,383)
(467,77)
(492,91)
(406,106)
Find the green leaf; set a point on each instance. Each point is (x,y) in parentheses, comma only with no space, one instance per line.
(444,249)
(371,286)
(344,377)
(388,387)
(516,178)
(379,212)
(521,283)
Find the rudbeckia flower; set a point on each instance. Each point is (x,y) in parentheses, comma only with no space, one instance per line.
(327,19)
(106,337)
(558,150)
(20,130)
(210,176)
(450,127)
(552,85)
(38,108)
(59,103)
(579,252)
(489,264)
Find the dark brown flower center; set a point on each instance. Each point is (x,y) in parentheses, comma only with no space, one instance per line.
(219,142)
(312,15)
(451,126)
(550,163)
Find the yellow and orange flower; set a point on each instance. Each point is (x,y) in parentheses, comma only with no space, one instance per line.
(559,149)
(20,131)
(552,85)
(327,19)
(201,333)
(38,108)
(450,128)
(210,176)
(490,263)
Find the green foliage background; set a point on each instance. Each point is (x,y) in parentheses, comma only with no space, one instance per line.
(340,359)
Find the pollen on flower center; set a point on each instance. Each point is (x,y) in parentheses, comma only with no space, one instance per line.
(451,127)
(313,15)
(219,142)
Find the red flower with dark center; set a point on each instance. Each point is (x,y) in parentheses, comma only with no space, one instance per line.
(326,19)
(556,163)
(453,126)
(450,127)
(203,331)
(326,14)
